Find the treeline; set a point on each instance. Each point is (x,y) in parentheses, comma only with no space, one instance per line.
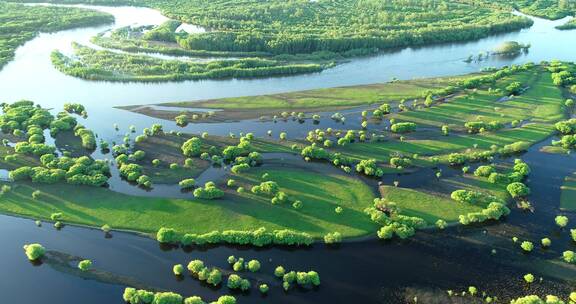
(281,27)
(259,237)
(110,66)
(20,23)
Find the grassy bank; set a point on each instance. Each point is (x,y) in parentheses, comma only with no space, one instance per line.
(97,206)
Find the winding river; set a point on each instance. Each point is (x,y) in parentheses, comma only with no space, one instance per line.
(362,271)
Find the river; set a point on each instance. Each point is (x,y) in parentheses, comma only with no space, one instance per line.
(367,271)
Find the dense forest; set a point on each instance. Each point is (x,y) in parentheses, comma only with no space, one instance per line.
(20,23)
(106,65)
(293,27)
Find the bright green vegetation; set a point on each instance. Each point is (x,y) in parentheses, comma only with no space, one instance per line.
(34,251)
(539,107)
(435,205)
(20,23)
(93,64)
(549,9)
(97,206)
(280,27)
(568,196)
(134,296)
(306,101)
(167,150)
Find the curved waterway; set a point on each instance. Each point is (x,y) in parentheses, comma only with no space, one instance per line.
(362,271)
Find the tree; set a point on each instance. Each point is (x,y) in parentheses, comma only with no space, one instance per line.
(518,189)
(279,271)
(569,256)
(332,238)
(85,265)
(546,242)
(178,269)
(192,147)
(34,251)
(187,183)
(254,265)
(167,235)
(561,220)
(263,288)
(527,246)
(529,278)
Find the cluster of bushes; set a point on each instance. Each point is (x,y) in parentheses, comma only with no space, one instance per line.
(270,188)
(212,276)
(192,147)
(494,211)
(79,171)
(243,148)
(34,251)
(473,197)
(462,158)
(400,162)
(63,122)
(333,238)
(87,136)
(393,223)
(566,142)
(75,108)
(21,115)
(382,110)
(403,127)
(259,237)
(237,282)
(519,171)
(238,264)
(301,278)
(37,149)
(210,191)
(140,296)
(476,82)
(566,127)
(369,167)
(481,126)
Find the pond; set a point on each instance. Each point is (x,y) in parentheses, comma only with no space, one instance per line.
(363,271)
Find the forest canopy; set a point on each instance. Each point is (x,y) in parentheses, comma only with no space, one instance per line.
(20,23)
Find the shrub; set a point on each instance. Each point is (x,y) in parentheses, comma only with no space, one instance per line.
(561,220)
(546,242)
(178,269)
(167,298)
(332,238)
(279,271)
(441,224)
(85,265)
(187,183)
(569,256)
(529,278)
(210,191)
(192,147)
(263,288)
(527,246)
(518,189)
(254,265)
(403,127)
(484,171)
(167,236)
(34,251)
